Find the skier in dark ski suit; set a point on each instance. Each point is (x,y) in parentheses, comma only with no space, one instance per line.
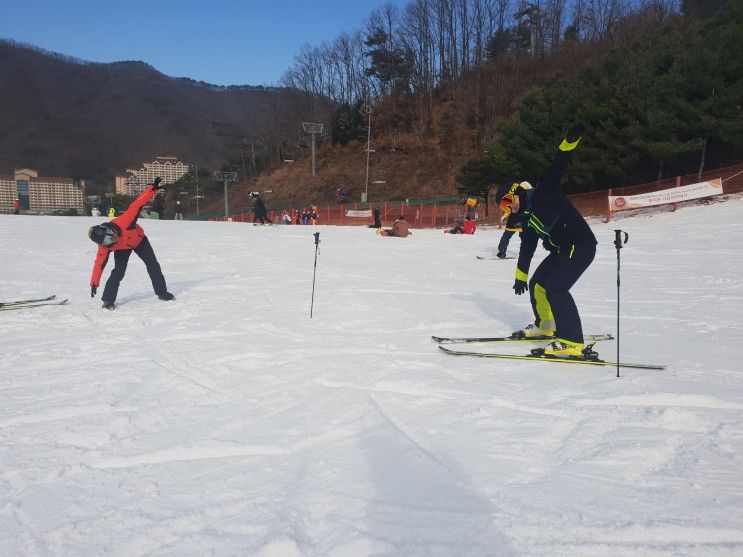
(259,210)
(564,232)
(122,236)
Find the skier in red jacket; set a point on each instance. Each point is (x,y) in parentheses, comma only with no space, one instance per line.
(122,236)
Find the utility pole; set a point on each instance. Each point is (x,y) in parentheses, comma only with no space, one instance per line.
(313,130)
(226,178)
(367,109)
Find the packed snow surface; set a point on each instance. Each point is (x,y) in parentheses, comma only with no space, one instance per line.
(228,422)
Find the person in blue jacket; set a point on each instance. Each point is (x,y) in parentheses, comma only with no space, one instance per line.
(550,216)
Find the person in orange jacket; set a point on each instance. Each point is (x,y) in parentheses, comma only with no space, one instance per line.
(122,236)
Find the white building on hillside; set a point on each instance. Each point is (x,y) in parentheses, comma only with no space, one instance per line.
(40,194)
(133,182)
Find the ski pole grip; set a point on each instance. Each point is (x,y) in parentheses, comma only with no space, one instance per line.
(317,237)
(618,240)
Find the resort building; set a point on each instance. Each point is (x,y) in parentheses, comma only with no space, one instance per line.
(39,194)
(134,181)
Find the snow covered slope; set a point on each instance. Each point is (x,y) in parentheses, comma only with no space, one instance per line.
(228,422)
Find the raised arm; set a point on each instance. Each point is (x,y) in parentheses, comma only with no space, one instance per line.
(551,179)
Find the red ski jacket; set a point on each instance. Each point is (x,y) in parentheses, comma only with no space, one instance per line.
(130,237)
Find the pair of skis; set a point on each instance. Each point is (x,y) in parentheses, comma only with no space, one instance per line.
(32,303)
(537,353)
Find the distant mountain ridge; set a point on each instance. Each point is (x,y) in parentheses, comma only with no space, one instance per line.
(68,117)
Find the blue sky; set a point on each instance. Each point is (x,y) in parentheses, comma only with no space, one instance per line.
(224,42)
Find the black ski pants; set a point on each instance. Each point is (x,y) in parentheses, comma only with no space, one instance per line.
(121,259)
(503,244)
(557,274)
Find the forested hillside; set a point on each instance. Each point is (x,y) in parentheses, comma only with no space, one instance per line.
(465,94)
(67,117)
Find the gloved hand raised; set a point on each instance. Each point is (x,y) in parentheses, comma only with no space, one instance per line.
(93,290)
(156,183)
(520,287)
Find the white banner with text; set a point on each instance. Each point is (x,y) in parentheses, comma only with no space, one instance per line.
(674,195)
(361,214)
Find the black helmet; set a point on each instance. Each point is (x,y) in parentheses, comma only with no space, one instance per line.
(103,234)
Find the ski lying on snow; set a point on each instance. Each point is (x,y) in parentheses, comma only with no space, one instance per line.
(495,258)
(463,340)
(544,358)
(27,306)
(21,302)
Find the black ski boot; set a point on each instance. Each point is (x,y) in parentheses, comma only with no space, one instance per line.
(166,297)
(108,305)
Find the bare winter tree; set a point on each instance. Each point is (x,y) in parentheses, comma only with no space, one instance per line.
(553,20)
(602,17)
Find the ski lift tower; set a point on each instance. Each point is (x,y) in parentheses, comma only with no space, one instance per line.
(226,178)
(313,130)
(531,13)
(197,194)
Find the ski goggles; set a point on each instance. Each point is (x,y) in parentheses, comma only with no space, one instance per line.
(110,238)
(103,235)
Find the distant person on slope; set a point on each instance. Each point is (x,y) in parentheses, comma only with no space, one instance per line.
(377,221)
(549,215)
(259,209)
(466,226)
(400,229)
(122,236)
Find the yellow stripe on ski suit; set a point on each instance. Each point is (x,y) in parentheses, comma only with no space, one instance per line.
(544,309)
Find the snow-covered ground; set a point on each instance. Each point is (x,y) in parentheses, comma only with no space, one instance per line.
(230,423)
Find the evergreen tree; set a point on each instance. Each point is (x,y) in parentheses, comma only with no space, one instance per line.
(645,109)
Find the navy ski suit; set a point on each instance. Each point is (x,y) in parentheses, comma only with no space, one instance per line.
(550,216)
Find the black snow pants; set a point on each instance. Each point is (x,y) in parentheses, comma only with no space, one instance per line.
(121,259)
(554,278)
(503,244)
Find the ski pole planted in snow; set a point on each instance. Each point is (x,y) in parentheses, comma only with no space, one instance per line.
(620,238)
(314,271)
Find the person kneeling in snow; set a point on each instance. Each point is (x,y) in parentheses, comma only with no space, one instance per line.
(400,229)
(122,236)
(467,226)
